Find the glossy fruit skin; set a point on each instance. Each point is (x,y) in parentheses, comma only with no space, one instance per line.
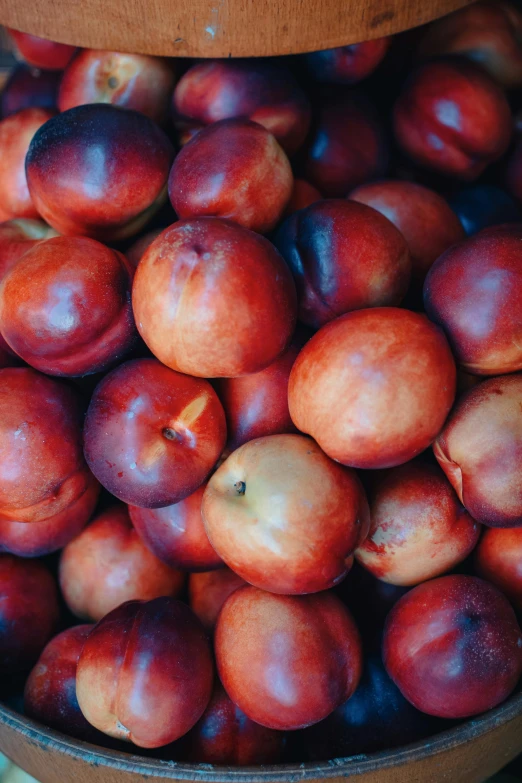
(424,218)
(238,309)
(284,516)
(40,52)
(50,690)
(66,307)
(42,468)
(233,169)
(482,206)
(152,435)
(287,661)
(132,81)
(259,89)
(176,534)
(344,256)
(303,194)
(17,237)
(72,149)
(453,118)
(108,564)
(347,64)
(453,646)
(346,146)
(224,735)
(498,558)
(16,134)
(29,612)
(480,451)
(28,88)
(49,535)
(377,717)
(488,33)
(208,591)
(418,528)
(396,359)
(145,673)
(257,404)
(473,292)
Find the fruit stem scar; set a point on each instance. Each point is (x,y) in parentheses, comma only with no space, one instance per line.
(240,487)
(169,433)
(113,82)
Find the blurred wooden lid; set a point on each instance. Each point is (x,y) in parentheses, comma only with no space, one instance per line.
(218,28)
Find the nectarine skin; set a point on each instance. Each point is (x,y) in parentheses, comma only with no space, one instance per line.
(66,307)
(108,564)
(225,735)
(28,88)
(29,612)
(453,646)
(260,89)
(418,528)
(176,534)
(98,171)
(287,661)
(40,52)
(452,117)
(474,293)
(343,256)
(17,237)
(208,591)
(145,672)
(498,558)
(480,451)
(303,194)
(424,218)
(284,516)
(238,308)
(373,387)
(42,469)
(233,169)
(153,435)
(347,64)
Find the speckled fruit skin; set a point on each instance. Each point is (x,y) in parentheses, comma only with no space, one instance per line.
(424,218)
(145,673)
(50,690)
(17,237)
(347,64)
(377,717)
(452,117)
(108,564)
(65,308)
(153,435)
(498,558)
(346,146)
(287,661)
(488,33)
(49,535)
(224,735)
(480,451)
(132,81)
(257,404)
(373,387)
(208,591)
(418,527)
(259,89)
(42,469)
(238,307)
(29,88)
(474,292)
(233,169)
(40,52)
(343,256)
(28,612)
(16,133)
(284,516)
(453,646)
(135,252)
(176,534)
(78,192)
(303,194)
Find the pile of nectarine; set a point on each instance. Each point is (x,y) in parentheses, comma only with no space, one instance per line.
(261,392)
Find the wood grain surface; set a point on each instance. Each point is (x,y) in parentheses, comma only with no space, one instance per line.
(467,754)
(218,28)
